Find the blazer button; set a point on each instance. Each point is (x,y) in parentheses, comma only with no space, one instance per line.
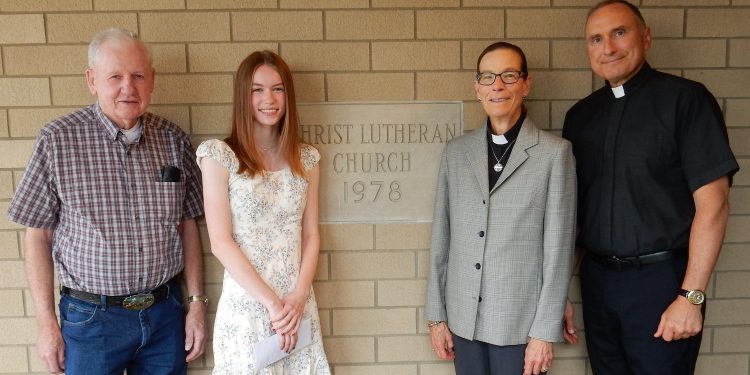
(481,233)
(483,201)
(477,266)
(480,298)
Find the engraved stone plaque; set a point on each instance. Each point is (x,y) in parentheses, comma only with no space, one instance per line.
(379,160)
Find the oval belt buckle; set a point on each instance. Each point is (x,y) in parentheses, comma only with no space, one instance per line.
(138,301)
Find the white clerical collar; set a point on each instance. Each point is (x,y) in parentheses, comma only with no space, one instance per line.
(499,139)
(618,91)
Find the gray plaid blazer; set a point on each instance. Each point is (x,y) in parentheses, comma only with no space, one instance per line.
(501,258)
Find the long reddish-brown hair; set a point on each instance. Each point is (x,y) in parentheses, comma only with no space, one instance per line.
(242,138)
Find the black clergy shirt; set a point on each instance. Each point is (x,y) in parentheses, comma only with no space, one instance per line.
(639,159)
(501,152)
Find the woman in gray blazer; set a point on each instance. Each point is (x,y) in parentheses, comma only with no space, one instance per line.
(502,232)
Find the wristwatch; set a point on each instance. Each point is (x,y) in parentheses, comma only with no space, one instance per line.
(203,299)
(696,297)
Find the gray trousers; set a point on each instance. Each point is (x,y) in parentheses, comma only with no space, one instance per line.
(477,357)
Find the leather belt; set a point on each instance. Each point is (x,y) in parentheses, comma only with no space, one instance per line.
(138,301)
(619,263)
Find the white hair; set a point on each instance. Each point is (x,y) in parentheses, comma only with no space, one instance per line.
(116,35)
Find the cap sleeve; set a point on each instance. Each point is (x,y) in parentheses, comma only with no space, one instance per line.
(310,156)
(220,151)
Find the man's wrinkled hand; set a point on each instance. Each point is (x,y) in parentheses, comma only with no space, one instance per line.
(195,331)
(51,348)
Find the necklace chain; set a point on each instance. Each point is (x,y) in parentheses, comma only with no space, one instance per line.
(499,167)
(269,148)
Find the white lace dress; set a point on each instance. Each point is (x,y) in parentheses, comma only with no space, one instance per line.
(266,223)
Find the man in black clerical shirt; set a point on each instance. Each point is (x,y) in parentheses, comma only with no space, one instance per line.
(654,169)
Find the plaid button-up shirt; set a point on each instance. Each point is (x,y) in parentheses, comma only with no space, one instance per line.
(114,211)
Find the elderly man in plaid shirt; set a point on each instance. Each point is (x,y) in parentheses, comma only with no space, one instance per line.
(110,197)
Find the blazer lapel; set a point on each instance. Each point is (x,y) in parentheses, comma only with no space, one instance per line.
(528,137)
(476,155)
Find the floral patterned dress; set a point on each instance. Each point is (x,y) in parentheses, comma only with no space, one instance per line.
(267,225)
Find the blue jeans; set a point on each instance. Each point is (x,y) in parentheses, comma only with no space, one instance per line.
(102,339)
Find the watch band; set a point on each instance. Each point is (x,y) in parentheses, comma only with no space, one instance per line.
(203,299)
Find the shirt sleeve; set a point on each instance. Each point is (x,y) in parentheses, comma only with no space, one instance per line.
(437,273)
(703,141)
(310,156)
(219,151)
(36,203)
(193,204)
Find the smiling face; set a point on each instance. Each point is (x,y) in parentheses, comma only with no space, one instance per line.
(617,43)
(268,96)
(502,101)
(122,80)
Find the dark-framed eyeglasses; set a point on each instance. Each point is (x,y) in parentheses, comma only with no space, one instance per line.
(508,77)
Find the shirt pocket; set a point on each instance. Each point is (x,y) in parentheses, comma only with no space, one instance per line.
(166,200)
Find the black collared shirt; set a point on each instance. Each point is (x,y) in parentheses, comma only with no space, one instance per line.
(501,153)
(639,159)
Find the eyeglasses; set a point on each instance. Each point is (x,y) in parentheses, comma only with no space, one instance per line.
(508,77)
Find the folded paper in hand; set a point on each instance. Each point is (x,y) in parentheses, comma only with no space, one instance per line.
(267,350)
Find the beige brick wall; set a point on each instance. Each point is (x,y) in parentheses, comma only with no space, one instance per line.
(370,282)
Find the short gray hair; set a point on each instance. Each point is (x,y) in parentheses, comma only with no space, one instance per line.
(639,17)
(115,35)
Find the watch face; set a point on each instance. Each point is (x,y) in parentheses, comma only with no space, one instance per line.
(696,297)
